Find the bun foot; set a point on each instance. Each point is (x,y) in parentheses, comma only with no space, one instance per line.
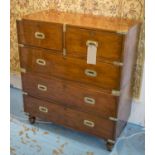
(109,146)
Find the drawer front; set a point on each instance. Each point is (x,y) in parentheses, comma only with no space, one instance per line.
(40,34)
(71,94)
(104,75)
(109,43)
(68,117)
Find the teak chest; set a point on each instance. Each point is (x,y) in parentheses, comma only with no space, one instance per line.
(58,83)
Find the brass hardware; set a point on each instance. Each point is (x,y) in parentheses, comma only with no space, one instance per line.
(111,141)
(64,52)
(41,62)
(43,109)
(64,27)
(19,19)
(90,72)
(117,63)
(113,119)
(115,92)
(22,70)
(89,100)
(91,42)
(42,87)
(20,45)
(39,35)
(89,123)
(24,93)
(122,32)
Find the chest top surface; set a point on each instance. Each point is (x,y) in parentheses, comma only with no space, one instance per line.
(83,20)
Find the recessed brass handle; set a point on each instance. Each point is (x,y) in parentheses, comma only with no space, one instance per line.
(41,62)
(89,123)
(43,109)
(91,42)
(42,87)
(90,72)
(89,100)
(39,35)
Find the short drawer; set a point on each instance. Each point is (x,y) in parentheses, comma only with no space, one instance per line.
(109,44)
(71,94)
(69,117)
(105,75)
(40,34)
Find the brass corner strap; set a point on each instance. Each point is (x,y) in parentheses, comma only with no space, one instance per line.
(113,119)
(20,45)
(115,92)
(19,19)
(64,52)
(117,63)
(24,93)
(111,141)
(64,27)
(22,70)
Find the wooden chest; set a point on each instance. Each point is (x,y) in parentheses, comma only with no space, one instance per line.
(60,85)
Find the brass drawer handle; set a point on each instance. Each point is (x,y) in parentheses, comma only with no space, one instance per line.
(41,62)
(39,35)
(90,72)
(91,42)
(43,109)
(42,87)
(89,123)
(89,100)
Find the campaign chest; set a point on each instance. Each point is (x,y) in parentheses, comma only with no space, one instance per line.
(61,85)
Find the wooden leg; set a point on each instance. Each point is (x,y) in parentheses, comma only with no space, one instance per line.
(32,119)
(109,146)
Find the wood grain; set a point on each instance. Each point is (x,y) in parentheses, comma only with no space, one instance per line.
(108,75)
(64,78)
(129,59)
(68,117)
(83,20)
(110,44)
(71,94)
(52,32)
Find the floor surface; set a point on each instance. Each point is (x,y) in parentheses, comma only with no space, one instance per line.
(45,138)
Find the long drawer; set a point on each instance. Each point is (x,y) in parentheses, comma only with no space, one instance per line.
(78,96)
(70,118)
(109,44)
(40,34)
(105,75)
